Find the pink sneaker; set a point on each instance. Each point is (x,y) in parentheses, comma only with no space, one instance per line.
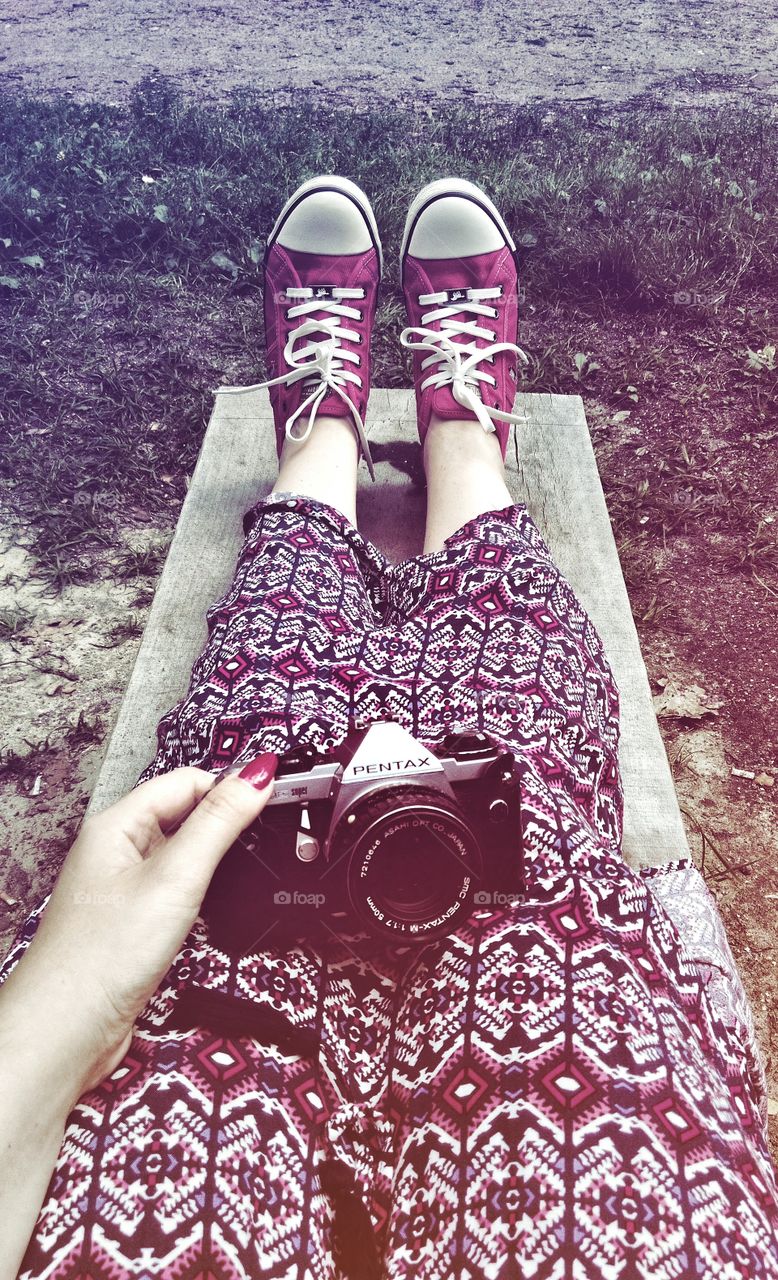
(323,265)
(461,295)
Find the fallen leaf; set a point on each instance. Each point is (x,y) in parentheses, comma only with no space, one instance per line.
(691,703)
(53,686)
(764,779)
(224,263)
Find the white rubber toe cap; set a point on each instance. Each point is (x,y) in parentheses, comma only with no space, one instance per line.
(453,227)
(325,222)
(453,218)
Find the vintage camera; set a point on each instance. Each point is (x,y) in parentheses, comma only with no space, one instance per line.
(381,836)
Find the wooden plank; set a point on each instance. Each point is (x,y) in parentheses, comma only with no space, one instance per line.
(553,471)
(557,477)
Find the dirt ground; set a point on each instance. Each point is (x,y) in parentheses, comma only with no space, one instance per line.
(698,51)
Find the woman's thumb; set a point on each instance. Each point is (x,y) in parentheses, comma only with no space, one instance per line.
(223,813)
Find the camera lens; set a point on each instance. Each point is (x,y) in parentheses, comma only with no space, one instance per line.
(413,862)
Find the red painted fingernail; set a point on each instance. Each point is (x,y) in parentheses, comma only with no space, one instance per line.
(259,772)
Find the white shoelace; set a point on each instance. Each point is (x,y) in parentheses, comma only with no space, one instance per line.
(458,361)
(320,364)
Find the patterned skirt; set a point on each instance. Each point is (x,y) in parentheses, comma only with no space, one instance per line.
(568,1085)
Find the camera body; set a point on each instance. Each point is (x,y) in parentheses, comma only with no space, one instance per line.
(382,835)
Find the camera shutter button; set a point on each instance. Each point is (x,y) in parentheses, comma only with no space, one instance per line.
(307,848)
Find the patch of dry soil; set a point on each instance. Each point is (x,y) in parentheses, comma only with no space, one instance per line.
(354,51)
(63,677)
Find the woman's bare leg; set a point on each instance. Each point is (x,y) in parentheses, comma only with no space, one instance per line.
(465,477)
(463,464)
(324,466)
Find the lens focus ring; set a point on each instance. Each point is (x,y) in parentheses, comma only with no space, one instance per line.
(411,860)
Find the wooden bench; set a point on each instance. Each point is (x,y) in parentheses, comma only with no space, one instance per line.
(556,477)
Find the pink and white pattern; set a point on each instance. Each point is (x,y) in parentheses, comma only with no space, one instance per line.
(549,1092)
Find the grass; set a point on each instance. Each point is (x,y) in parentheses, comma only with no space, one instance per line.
(22,766)
(130,280)
(86,732)
(14,621)
(130,628)
(754,553)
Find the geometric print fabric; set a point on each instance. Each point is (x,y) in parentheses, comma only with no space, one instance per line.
(551,1091)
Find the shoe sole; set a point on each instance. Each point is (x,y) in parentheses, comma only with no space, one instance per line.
(451,187)
(329,182)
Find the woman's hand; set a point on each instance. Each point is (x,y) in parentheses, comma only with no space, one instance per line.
(128,893)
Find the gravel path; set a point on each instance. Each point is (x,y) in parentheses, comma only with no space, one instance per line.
(683,53)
